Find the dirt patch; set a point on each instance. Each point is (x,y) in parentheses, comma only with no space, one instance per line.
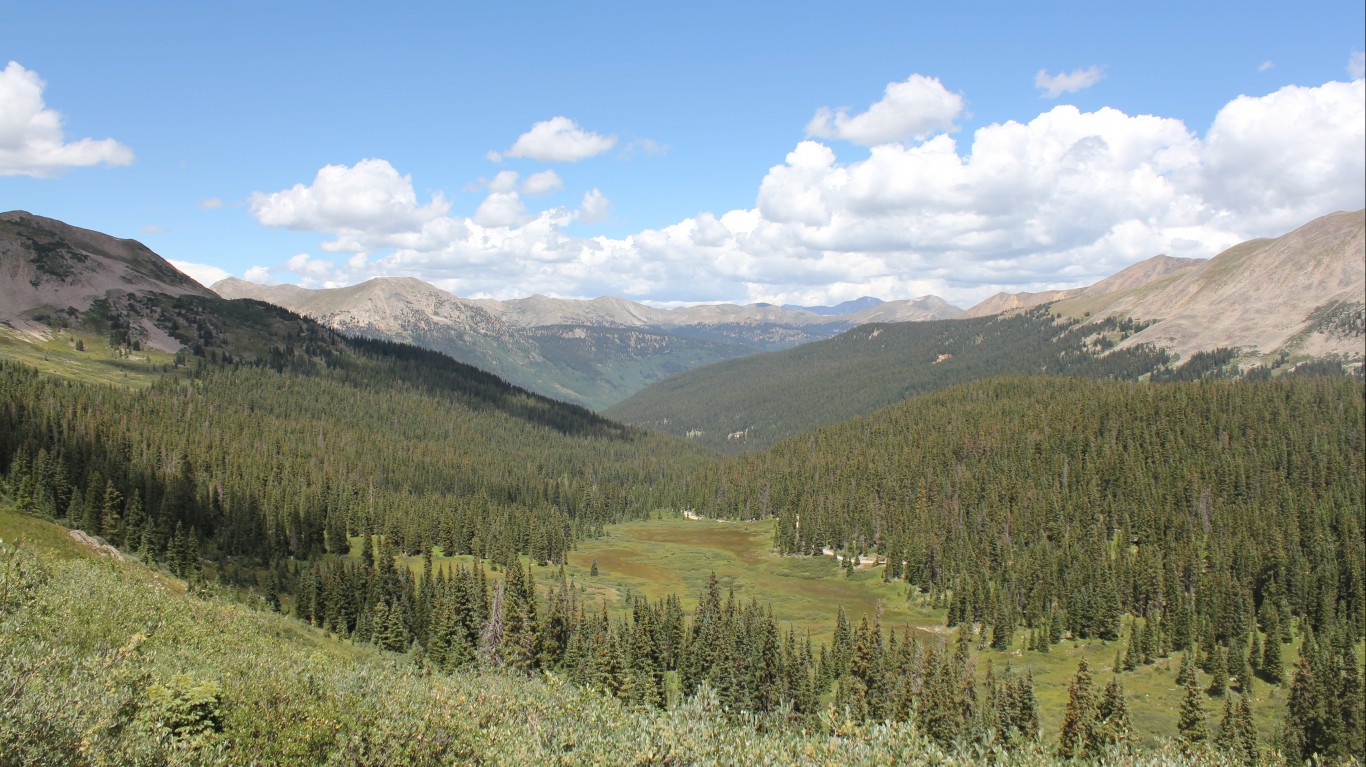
(103,549)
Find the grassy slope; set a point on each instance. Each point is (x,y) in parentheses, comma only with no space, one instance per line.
(57,355)
(674,555)
(91,646)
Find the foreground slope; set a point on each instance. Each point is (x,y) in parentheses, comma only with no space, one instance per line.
(144,674)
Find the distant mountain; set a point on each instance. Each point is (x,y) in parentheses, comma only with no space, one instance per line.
(838,310)
(1134,276)
(594,363)
(48,267)
(750,403)
(1301,294)
(1299,297)
(912,310)
(1007,302)
(579,351)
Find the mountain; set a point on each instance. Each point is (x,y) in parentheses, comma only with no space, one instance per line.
(597,362)
(750,403)
(595,353)
(846,307)
(1301,294)
(48,267)
(1008,302)
(912,310)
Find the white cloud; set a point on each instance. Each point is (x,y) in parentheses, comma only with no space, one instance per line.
(1266,66)
(558,139)
(204,274)
(645,146)
(31,140)
(211,203)
(1077,80)
(911,109)
(500,209)
(1062,199)
(152,229)
(545,182)
(505,181)
(356,203)
(261,275)
(1282,158)
(595,207)
(306,265)
(1356,65)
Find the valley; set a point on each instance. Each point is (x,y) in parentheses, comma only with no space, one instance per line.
(1024,492)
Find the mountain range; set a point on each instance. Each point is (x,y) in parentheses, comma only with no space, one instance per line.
(1276,301)
(595,352)
(1269,304)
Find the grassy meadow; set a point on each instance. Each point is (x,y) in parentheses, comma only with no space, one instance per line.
(675,555)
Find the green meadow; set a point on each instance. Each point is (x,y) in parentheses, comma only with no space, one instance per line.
(676,555)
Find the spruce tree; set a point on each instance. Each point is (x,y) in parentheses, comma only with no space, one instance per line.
(1218,669)
(1272,667)
(1078,721)
(1112,725)
(1246,747)
(1186,674)
(1190,725)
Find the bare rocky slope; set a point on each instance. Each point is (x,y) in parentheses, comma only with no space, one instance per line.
(49,267)
(1301,294)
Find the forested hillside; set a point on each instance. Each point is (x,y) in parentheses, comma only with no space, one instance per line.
(751,403)
(288,459)
(1208,517)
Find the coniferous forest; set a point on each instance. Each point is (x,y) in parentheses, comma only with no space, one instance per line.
(1215,525)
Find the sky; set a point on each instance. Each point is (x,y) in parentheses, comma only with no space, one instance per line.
(795,152)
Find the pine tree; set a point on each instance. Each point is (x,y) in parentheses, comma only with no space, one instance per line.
(1218,669)
(1272,667)
(1190,725)
(1078,723)
(1227,738)
(1186,674)
(1112,725)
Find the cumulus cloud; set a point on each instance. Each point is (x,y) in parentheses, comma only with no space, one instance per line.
(595,207)
(911,109)
(357,203)
(1266,66)
(31,137)
(545,182)
(1356,65)
(204,274)
(211,203)
(1075,81)
(558,139)
(500,209)
(1062,199)
(261,275)
(1289,155)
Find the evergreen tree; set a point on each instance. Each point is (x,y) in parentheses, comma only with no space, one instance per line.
(1079,718)
(1112,720)
(1190,725)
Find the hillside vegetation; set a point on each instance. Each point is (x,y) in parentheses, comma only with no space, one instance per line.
(144,674)
(751,403)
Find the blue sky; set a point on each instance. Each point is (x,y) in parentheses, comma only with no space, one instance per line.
(793,152)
